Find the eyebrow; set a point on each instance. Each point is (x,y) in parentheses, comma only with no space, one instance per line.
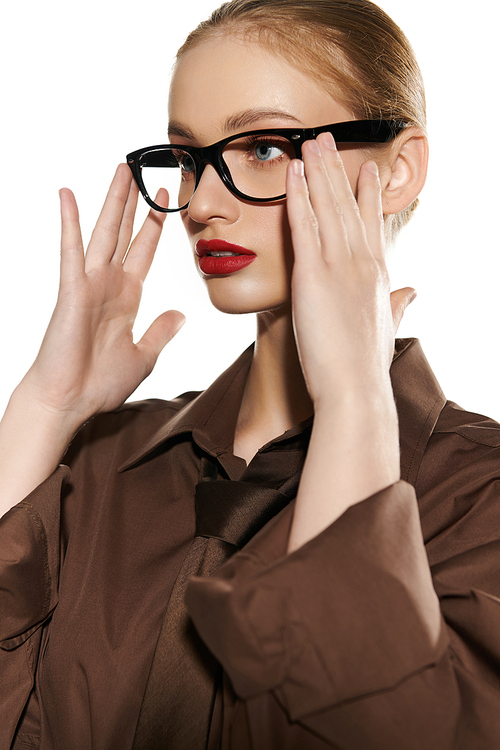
(236,122)
(250,116)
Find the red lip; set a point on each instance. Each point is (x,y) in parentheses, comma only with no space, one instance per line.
(222,265)
(208,246)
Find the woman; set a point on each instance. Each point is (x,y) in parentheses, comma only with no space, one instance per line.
(346,620)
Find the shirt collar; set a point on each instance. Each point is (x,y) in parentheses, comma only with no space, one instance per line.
(419,401)
(211,415)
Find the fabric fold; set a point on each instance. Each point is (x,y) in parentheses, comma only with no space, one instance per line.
(30,572)
(293,626)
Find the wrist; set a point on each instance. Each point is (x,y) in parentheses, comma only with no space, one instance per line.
(33,440)
(358,402)
(353,454)
(26,404)
(359,438)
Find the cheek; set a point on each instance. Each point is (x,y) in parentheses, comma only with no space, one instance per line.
(286,241)
(271,235)
(271,224)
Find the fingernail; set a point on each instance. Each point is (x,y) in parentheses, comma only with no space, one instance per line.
(314,147)
(372,167)
(329,141)
(298,167)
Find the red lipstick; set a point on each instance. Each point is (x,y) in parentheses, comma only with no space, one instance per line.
(217,257)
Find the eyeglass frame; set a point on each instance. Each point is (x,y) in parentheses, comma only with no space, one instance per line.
(352,131)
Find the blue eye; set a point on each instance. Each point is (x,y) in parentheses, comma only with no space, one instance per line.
(265,151)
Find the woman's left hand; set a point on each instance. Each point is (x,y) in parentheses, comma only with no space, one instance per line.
(343,319)
(344,327)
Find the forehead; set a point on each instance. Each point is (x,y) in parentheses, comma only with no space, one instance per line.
(225,76)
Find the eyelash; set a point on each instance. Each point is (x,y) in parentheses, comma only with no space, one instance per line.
(255,140)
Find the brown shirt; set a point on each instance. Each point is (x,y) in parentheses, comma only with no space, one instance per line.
(382,633)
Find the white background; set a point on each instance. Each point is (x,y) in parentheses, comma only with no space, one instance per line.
(85,83)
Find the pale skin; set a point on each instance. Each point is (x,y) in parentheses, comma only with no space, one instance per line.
(319,286)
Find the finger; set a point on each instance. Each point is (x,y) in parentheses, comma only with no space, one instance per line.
(325,204)
(72,251)
(142,250)
(104,238)
(159,333)
(301,218)
(370,208)
(127,224)
(400,299)
(346,203)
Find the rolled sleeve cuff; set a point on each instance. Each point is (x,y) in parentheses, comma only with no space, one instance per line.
(29,561)
(352,612)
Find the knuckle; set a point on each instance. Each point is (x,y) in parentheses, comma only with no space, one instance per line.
(336,160)
(309,223)
(337,209)
(109,227)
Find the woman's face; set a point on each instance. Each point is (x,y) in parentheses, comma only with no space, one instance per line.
(226,86)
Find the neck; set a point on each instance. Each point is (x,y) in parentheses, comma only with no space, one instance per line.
(275,397)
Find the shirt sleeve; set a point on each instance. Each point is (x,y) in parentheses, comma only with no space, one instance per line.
(29,573)
(348,643)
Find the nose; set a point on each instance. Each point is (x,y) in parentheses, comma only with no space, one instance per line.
(212,199)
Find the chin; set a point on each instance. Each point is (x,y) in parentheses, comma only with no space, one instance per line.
(234,300)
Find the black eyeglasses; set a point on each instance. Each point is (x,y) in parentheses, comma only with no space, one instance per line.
(251,165)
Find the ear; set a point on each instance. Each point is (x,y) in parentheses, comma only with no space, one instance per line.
(403,175)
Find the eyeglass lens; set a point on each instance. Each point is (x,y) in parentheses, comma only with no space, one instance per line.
(257,165)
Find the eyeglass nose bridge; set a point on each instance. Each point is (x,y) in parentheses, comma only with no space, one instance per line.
(212,155)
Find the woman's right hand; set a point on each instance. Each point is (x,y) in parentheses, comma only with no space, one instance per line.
(88,362)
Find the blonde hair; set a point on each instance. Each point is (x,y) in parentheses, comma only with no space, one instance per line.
(351,47)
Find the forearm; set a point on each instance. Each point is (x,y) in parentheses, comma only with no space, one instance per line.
(353,454)
(33,440)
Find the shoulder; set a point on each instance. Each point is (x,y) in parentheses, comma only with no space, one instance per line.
(458,484)
(471,427)
(462,443)
(125,430)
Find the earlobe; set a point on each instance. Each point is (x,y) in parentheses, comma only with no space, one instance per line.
(404,176)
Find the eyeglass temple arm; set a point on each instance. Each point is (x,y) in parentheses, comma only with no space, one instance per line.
(362,131)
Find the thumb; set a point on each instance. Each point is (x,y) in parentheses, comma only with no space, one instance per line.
(400,299)
(159,333)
